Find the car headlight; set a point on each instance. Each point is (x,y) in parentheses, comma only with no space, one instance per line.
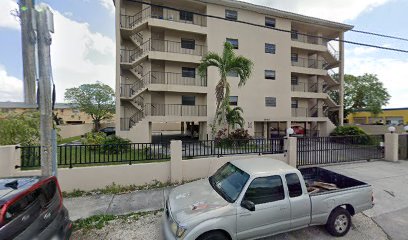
(180,231)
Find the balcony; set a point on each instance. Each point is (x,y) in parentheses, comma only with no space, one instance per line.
(309,63)
(154,109)
(305,87)
(308,113)
(164,18)
(304,38)
(130,58)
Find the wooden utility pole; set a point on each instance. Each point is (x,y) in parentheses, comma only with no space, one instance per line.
(44,20)
(28,41)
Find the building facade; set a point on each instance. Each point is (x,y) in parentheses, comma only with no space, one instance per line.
(160,48)
(388,116)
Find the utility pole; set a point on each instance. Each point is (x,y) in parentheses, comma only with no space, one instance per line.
(44,20)
(28,41)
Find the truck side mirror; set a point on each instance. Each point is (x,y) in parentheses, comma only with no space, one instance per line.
(248,205)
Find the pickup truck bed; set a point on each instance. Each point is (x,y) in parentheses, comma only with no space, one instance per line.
(315,174)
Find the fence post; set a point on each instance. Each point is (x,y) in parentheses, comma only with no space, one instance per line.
(291,151)
(391,147)
(176,164)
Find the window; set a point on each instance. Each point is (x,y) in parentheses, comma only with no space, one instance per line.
(188,72)
(295,103)
(270,74)
(270,101)
(231,15)
(234,42)
(294,80)
(22,205)
(233,100)
(270,48)
(294,57)
(188,100)
(294,186)
(294,34)
(232,73)
(270,22)
(265,190)
(186,16)
(188,43)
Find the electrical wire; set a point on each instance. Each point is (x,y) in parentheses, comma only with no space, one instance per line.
(380,35)
(287,31)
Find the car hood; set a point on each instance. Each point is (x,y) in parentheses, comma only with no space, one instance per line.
(193,199)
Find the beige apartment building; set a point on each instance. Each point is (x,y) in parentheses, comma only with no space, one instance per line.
(160,48)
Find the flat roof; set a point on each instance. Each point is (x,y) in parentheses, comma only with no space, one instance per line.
(33,106)
(384,109)
(259,166)
(280,13)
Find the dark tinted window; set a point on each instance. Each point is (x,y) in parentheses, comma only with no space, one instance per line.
(188,100)
(186,16)
(21,205)
(295,103)
(265,189)
(294,186)
(233,100)
(294,80)
(294,57)
(270,101)
(234,42)
(188,72)
(188,43)
(270,48)
(270,74)
(294,34)
(231,15)
(270,22)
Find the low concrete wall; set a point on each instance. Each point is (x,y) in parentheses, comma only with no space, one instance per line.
(379,129)
(9,157)
(67,131)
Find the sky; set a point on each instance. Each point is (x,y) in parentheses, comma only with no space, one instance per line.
(83,45)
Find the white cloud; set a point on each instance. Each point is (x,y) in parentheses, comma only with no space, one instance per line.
(11,87)
(336,10)
(108,4)
(391,72)
(359,51)
(7,20)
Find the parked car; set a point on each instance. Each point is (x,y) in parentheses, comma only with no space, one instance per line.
(32,208)
(108,130)
(255,198)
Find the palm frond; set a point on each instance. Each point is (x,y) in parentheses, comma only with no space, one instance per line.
(243,66)
(210,60)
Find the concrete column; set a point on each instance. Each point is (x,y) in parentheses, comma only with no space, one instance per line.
(265,130)
(176,164)
(391,147)
(341,79)
(203,131)
(9,158)
(288,125)
(291,151)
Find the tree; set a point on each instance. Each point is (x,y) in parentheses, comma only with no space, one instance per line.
(234,117)
(22,128)
(97,100)
(226,63)
(364,92)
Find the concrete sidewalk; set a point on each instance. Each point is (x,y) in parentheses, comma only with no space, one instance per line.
(120,204)
(389,181)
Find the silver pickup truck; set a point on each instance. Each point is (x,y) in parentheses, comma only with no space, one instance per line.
(260,197)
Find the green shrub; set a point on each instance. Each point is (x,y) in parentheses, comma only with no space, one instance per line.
(238,137)
(94,138)
(115,144)
(348,131)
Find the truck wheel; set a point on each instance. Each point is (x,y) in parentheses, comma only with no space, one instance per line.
(339,222)
(216,235)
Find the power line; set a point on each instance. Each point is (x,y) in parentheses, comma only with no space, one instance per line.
(380,35)
(278,29)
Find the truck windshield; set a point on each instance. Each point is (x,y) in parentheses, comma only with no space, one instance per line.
(229,181)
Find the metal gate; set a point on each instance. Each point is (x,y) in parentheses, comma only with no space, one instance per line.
(339,149)
(403,147)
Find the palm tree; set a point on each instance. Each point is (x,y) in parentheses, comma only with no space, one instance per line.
(227,62)
(234,117)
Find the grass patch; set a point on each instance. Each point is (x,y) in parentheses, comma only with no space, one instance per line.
(99,221)
(69,140)
(120,189)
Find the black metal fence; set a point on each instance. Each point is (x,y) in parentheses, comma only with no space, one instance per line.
(82,155)
(338,149)
(233,147)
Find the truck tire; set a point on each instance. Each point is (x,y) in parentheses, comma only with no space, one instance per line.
(339,222)
(215,235)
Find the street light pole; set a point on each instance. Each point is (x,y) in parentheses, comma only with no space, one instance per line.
(44,21)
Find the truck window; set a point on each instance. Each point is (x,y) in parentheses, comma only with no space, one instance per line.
(265,190)
(294,186)
(20,206)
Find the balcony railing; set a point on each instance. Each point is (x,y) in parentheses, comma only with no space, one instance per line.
(171,78)
(153,109)
(131,55)
(309,63)
(130,21)
(126,90)
(305,87)
(305,38)
(307,112)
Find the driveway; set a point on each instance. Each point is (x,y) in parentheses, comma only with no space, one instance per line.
(390,183)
